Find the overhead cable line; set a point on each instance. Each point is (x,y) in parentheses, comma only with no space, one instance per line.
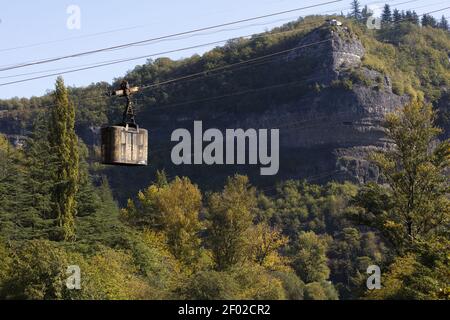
(156,54)
(126,45)
(111,31)
(117,61)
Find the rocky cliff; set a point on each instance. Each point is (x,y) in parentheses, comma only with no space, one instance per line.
(325,132)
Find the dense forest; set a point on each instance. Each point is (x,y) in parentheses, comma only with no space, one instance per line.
(176,240)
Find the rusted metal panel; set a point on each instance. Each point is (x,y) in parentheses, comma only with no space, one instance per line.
(124,145)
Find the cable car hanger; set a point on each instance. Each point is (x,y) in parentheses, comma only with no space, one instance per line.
(125,90)
(125,143)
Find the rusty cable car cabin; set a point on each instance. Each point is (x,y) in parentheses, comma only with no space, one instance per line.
(125,144)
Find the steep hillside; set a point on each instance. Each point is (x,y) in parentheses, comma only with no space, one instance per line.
(327,97)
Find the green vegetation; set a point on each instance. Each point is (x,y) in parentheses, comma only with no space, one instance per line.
(421,72)
(63,143)
(175,241)
(415,176)
(412,211)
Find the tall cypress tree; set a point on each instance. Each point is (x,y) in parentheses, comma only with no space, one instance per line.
(64,145)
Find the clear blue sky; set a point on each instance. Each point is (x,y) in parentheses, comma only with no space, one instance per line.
(27,23)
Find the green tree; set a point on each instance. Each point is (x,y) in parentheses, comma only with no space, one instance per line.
(257,283)
(320,291)
(209,285)
(350,253)
(179,204)
(38,271)
(415,18)
(421,275)
(19,211)
(365,13)
(156,263)
(265,244)
(5,266)
(64,145)
(344,253)
(98,219)
(443,24)
(310,260)
(396,16)
(241,283)
(109,274)
(39,179)
(429,20)
(41,163)
(86,198)
(355,12)
(386,16)
(414,169)
(230,216)
(172,208)
(293,286)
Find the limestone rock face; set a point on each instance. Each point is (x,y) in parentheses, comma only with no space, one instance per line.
(336,127)
(346,52)
(337,49)
(10,127)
